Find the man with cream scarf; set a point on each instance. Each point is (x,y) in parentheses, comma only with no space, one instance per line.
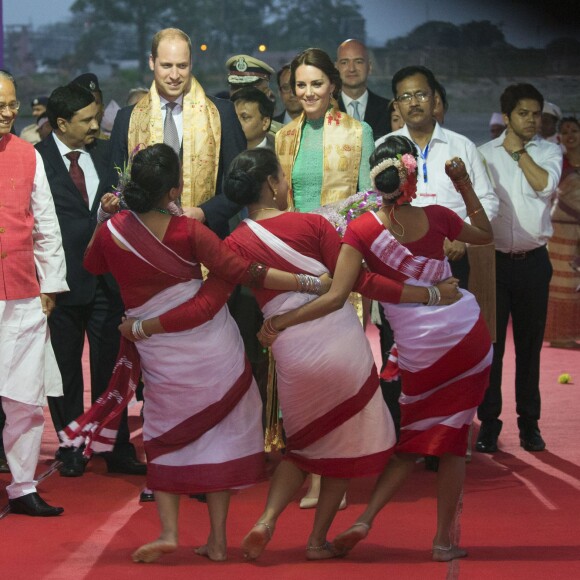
(204,130)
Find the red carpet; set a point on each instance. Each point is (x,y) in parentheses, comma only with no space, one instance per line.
(520,515)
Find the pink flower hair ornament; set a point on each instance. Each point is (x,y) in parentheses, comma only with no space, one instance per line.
(406,166)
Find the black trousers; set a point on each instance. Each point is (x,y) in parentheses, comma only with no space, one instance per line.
(98,321)
(522,286)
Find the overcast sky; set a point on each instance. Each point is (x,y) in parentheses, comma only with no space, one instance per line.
(524,23)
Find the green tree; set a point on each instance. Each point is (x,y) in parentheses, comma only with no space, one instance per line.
(227,27)
(481,34)
(433,34)
(324,24)
(144,15)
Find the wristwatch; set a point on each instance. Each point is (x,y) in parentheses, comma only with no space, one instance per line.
(517,154)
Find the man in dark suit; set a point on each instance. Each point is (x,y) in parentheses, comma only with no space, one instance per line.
(352,61)
(292,106)
(170,61)
(76,166)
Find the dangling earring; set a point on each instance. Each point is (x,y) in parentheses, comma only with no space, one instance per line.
(275,193)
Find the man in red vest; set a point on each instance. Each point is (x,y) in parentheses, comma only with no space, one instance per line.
(32,272)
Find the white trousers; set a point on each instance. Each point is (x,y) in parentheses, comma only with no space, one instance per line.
(22,436)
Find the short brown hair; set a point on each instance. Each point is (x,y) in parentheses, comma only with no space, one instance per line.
(165,34)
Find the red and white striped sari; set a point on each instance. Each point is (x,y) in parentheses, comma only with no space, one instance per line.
(444,354)
(203,412)
(335,418)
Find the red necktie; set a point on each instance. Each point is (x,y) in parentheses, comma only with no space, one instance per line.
(77,175)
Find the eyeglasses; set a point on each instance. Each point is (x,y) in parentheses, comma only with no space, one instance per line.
(421,96)
(14,106)
(286,88)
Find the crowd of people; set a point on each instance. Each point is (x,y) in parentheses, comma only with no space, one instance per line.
(224,183)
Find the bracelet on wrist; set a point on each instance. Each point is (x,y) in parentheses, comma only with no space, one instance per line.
(459,184)
(475,211)
(434,296)
(103,216)
(138,332)
(268,328)
(307,284)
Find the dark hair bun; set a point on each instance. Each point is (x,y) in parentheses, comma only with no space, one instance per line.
(155,170)
(137,198)
(247,174)
(388,180)
(240,187)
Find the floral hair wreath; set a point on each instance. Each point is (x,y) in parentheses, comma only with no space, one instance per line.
(406,166)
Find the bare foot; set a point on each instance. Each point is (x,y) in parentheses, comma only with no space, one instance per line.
(255,542)
(345,542)
(214,554)
(153,550)
(322,552)
(447,553)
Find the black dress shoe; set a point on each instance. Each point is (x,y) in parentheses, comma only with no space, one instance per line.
(146,495)
(531,440)
(4,465)
(487,438)
(73,462)
(125,464)
(432,463)
(32,504)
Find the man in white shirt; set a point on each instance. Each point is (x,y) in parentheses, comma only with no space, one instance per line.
(414,88)
(526,170)
(32,272)
(418,95)
(76,165)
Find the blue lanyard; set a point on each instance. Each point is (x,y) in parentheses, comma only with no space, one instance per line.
(424,155)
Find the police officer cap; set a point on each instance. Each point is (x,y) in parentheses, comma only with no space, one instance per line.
(244,69)
(39,101)
(88,81)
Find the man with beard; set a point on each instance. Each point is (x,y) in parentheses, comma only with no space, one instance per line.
(354,66)
(526,170)
(77,168)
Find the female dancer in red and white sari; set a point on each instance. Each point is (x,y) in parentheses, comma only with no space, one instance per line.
(444,354)
(335,418)
(202,420)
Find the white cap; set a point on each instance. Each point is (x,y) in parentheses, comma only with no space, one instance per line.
(496,119)
(552,109)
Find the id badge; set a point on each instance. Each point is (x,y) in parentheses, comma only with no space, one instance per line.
(427,198)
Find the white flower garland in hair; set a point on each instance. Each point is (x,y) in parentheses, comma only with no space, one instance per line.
(404,164)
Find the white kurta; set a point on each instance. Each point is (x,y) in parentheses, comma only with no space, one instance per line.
(28,369)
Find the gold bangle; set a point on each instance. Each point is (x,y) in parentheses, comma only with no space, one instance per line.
(469,215)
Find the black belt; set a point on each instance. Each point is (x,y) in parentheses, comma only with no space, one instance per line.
(520,255)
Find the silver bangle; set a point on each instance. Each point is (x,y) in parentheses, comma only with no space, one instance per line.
(434,296)
(103,216)
(138,332)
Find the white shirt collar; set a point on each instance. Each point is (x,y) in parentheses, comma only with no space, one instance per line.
(363,100)
(179,101)
(63,148)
